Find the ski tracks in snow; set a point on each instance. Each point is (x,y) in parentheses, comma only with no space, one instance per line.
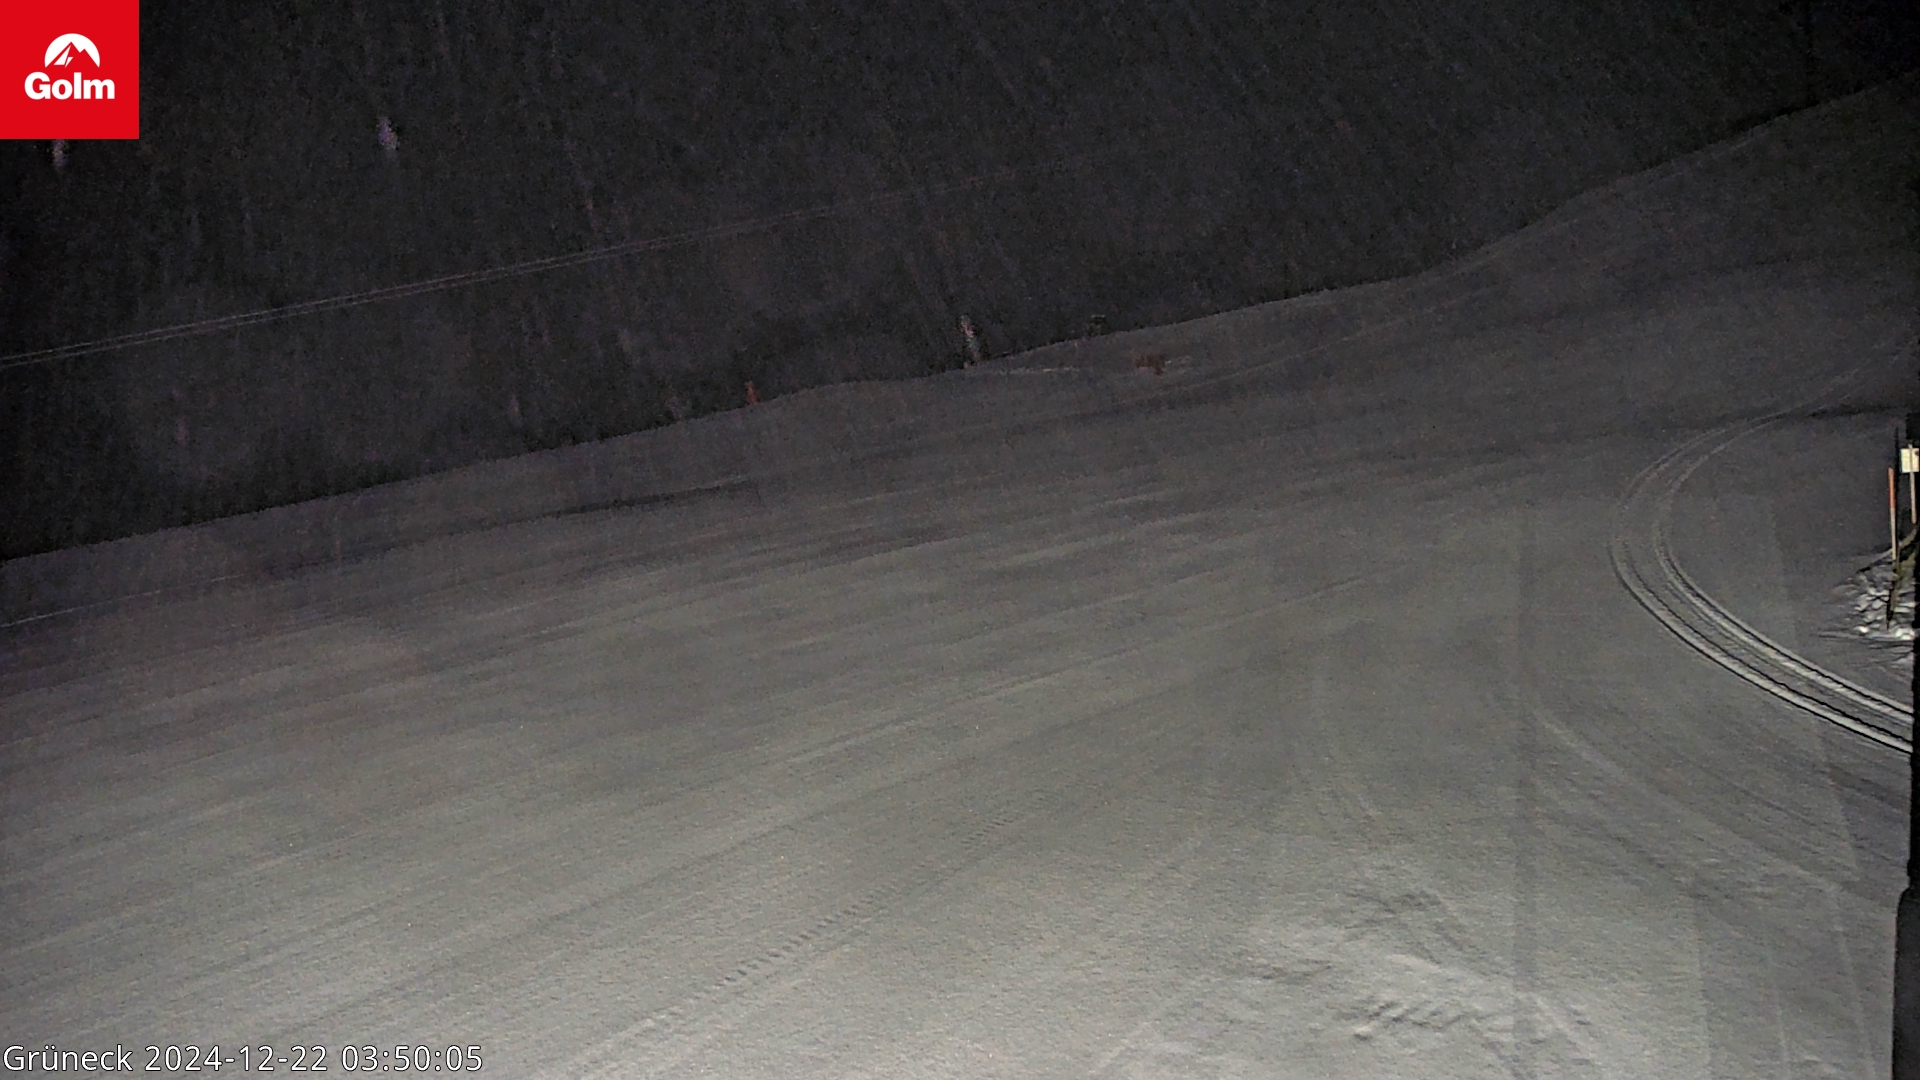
(1643,560)
(960,823)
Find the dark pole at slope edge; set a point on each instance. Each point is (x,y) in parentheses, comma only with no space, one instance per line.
(1906,935)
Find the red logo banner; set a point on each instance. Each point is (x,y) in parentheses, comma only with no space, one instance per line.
(70,70)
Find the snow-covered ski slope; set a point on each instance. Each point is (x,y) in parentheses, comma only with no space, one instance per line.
(1283,715)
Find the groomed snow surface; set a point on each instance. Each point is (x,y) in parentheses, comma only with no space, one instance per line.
(1282,714)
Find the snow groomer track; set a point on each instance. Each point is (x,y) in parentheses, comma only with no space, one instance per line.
(1643,558)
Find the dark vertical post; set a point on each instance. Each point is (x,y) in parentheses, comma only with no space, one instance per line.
(1906,934)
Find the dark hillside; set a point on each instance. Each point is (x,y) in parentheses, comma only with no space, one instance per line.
(786,194)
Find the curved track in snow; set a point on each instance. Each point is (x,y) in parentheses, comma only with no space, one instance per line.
(1643,559)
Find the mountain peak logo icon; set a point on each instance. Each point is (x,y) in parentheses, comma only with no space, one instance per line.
(61,52)
(88,84)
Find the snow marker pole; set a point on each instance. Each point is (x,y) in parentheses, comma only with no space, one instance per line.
(1893,546)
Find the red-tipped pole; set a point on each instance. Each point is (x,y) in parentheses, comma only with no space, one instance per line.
(753,396)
